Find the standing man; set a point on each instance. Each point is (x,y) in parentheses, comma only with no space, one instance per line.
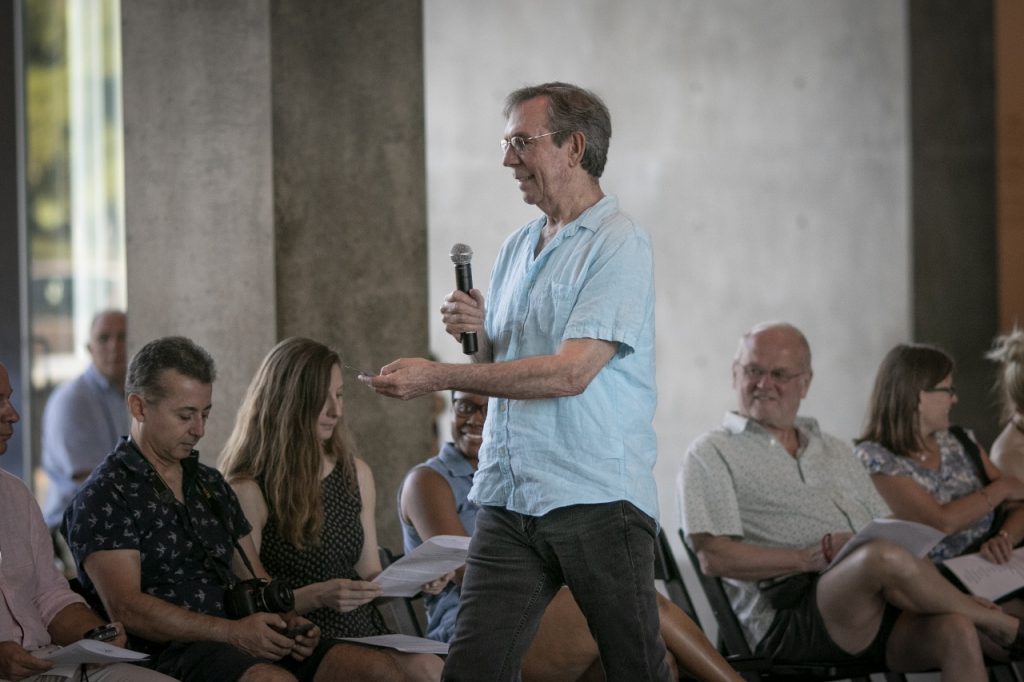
(84,418)
(566,352)
(38,610)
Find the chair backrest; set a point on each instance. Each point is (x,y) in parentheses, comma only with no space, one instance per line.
(399,612)
(667,570)
(730,632)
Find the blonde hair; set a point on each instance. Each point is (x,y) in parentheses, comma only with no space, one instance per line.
(1008,351)
(275,442)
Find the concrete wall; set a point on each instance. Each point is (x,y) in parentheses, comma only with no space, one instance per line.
(763,145)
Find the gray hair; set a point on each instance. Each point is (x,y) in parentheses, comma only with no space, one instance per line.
(571,109)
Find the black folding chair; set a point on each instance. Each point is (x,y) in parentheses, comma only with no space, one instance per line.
(400,613)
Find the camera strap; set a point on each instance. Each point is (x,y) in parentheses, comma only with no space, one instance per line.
(227,579)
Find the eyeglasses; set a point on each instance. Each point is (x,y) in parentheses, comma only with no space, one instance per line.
(779,376)
(948,390)
(518,143)
(467,408)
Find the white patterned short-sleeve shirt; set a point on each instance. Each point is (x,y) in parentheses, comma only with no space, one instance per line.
(738,480)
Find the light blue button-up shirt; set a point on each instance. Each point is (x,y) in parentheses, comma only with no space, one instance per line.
(594,280)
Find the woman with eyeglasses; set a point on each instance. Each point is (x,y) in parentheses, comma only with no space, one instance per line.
(310,501)
(929,471)
(1008,448)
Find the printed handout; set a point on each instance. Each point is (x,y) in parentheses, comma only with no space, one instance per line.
(986,579)
(916,538)
(437,556)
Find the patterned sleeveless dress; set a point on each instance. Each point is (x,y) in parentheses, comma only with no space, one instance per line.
(341,542)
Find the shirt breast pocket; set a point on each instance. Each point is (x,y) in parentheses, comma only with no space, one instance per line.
(551,307)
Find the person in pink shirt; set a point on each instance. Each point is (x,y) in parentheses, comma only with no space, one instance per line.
(38,610)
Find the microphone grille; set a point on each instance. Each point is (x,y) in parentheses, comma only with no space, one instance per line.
(461,254)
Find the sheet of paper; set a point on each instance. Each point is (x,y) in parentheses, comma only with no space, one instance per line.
(986,579)
(916,538)
(406,643)
(90,651)
(431,560)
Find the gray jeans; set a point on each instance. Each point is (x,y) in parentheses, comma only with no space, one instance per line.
(516,564)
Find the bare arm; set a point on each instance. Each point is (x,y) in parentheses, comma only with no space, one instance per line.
(117,577)
(73,621)
(723,556)
(908,500)
(566,373)
(428,504)
(368,565)
(250,498)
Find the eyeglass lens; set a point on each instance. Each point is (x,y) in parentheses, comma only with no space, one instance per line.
(466,408)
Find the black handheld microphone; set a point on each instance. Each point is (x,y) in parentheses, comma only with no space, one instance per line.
(461,255)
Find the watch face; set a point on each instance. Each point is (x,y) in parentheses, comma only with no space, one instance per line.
(103,633)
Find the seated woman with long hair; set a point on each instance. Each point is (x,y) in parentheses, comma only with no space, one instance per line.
(929,471)
(1008,448)
(310,501)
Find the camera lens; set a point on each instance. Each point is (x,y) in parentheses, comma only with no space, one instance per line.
(277,597)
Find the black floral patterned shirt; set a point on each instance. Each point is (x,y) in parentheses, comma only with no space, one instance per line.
(125,505)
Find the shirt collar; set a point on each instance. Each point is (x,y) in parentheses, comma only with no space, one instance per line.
(456,462)
(735,423)
(591,219)
(133,460)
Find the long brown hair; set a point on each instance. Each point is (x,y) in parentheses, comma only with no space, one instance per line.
(907,370)
(275,442)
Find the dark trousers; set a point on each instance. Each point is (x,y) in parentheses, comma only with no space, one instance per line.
(603,552)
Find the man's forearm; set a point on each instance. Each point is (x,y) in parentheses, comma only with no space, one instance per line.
(542,376)
(566,373)
(738,560)
(71,622)
(160,621)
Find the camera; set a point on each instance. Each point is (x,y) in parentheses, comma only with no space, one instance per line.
(252,596)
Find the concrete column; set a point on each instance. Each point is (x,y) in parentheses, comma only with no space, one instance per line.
(952,95)
(350,209)
(275,187)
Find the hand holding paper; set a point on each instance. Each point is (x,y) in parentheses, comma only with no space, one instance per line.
(436,557)
(986,579)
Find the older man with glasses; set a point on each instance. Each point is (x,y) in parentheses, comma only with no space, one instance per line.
(566,354)
(768,499)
